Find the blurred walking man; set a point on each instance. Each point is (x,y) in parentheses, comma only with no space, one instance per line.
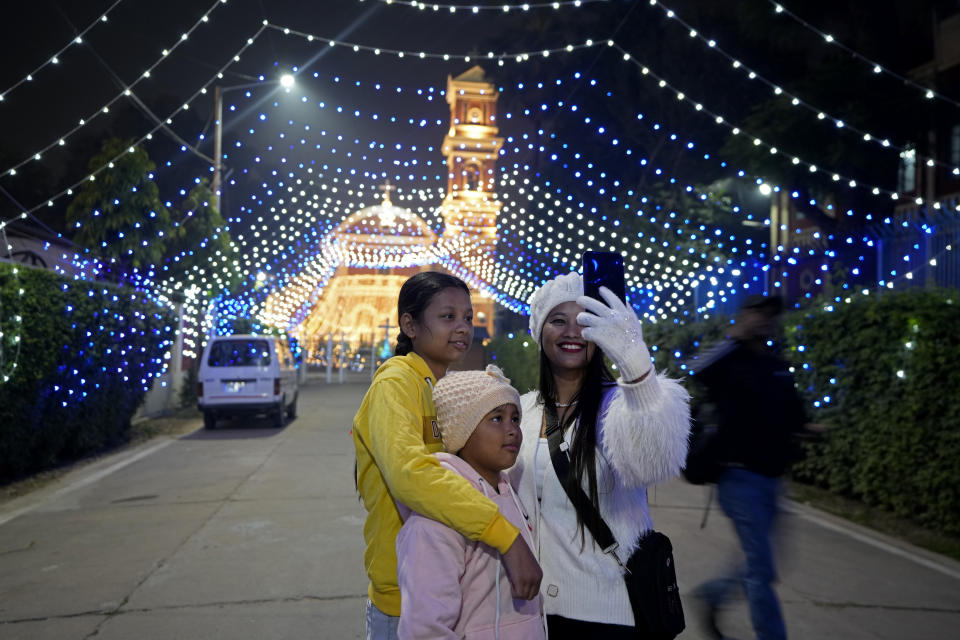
(758,413)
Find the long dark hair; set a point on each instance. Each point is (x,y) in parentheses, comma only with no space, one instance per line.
(415,294)
(583,447)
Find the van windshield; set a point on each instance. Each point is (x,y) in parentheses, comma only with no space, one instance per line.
(239,353)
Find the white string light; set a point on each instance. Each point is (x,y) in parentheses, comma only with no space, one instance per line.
(719,120)
(61,140)
(519,56)
(11,327)
(795,100)
(149,135)
(55,58)
(503,8)
(875,67)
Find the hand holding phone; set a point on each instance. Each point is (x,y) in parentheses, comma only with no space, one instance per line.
(610,322)
(603,269)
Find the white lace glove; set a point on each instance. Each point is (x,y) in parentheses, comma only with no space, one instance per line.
(614,327)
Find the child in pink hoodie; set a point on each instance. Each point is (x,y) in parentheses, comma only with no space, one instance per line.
(450,586)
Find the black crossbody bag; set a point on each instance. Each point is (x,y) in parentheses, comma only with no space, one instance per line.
(650,573)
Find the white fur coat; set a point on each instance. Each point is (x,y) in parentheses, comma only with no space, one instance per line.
(643,431)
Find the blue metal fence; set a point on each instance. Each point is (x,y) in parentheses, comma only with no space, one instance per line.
(920,248)
(915,249)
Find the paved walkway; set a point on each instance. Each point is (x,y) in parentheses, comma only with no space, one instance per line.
(837,580)
(254,533)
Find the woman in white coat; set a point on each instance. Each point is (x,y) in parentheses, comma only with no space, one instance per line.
(622,435)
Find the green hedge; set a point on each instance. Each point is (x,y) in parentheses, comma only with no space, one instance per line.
(889,366)
(87,351)
(516,354)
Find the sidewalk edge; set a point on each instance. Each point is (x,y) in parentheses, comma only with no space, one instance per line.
(80,477)
(878,539)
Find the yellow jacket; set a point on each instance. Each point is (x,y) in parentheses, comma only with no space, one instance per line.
(395,435)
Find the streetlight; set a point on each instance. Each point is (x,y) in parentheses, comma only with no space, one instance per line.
(287,81)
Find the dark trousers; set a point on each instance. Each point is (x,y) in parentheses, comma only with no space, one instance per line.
(561,628)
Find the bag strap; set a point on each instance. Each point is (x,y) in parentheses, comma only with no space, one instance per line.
(561,465)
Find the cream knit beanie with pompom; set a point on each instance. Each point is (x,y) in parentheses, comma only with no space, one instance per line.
(565,288)
(462,398)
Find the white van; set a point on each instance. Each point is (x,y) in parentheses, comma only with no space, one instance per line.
(247,374)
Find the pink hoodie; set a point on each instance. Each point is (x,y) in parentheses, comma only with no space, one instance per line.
(452,587)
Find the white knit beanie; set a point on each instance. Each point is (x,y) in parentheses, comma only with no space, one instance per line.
(462,398)
(565,288)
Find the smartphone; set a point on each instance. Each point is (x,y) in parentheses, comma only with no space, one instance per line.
(603,269)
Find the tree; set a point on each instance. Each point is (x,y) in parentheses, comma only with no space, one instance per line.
(198,241)
(118,215)
(120,218)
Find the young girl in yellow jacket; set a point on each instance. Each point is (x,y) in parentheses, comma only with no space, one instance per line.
(395,435)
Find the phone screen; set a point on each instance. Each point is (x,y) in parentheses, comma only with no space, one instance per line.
(603,269)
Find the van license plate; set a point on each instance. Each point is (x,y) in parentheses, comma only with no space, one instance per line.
(234,386)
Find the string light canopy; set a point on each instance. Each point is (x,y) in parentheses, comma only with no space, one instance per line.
(340,111)
(518,56)
(794,196)
(718,119)
(851,182)
(543,226)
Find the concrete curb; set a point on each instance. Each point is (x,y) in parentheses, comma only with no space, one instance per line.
(83,475)
(877,539)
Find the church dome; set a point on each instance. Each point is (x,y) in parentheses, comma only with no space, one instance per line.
(383,236)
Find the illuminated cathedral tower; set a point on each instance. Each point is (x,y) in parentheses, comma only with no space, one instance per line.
(376,248)
(470,208)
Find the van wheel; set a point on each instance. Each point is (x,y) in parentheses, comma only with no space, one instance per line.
(292,407)
(277,417)
(209,420)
